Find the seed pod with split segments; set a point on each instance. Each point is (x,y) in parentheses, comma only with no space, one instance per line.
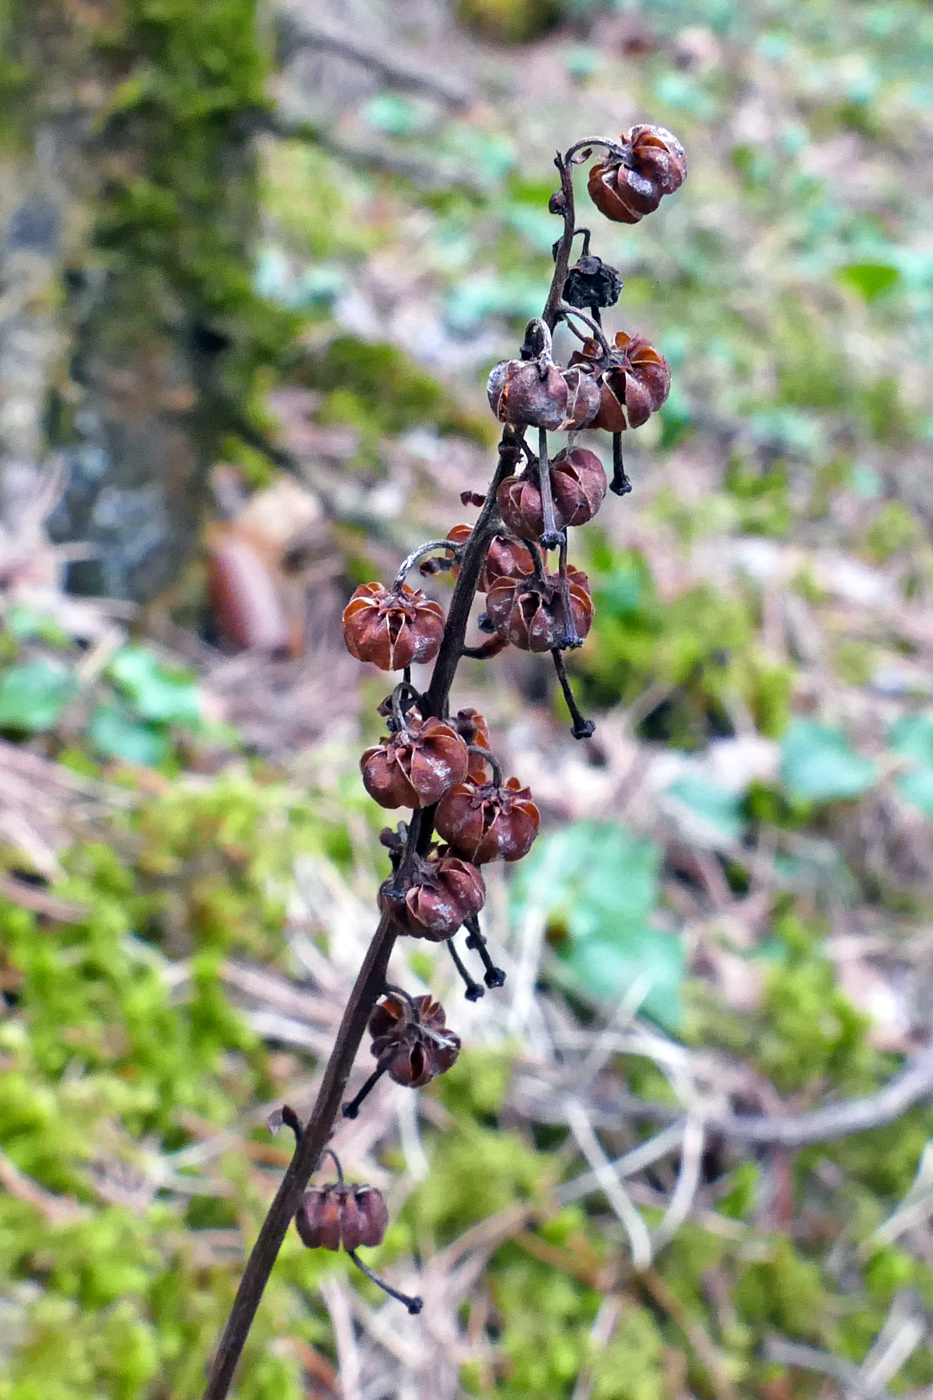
(487,821)
(416,766)
(529,611)
(628,186)
(635,382)
(392,628)
(578,486)
(438,894)
(538,394)
(340,1214)
(412,1040)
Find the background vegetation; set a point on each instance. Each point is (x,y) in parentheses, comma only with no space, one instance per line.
(729,909)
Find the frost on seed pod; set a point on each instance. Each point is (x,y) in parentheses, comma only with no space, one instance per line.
(578,486)
(538,394)
(529,612)
(485,821)
(416,766)
(439,893)
(412,1039)
(626,187)
(331,1216)
(392,628)
(635,382)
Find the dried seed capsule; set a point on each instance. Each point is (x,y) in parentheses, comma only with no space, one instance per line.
(635,382)
(503,556)
(318,1218)
(413,1039)
(627,187)
(529,611)
(416,766)
(471,727)
(438,895)
(538,394)
(578,486)
(392,628)
(331,1216)
(591,282)
(365,1217)
(486,821)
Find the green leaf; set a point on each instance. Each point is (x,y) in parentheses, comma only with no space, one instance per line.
(597,886)
(33,696)
(917,788)
(819,765)
(630,958)
(714,805)
(871,280)
(116,732)
(26,623)
(158,692)
(912,737)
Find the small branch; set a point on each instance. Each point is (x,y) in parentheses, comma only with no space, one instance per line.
(551,537)
(561,204)
(582,728)
(409,563)
(656,1288)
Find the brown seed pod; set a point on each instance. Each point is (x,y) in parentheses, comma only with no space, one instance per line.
(578,486)
(331,1216)
(635,382)
(505,557)
(642,379)
(471,727)
(529,611)
(486,821)
(539,394)
(628,186)
(413,1038)
(439,893)
(392,628)
(416,766)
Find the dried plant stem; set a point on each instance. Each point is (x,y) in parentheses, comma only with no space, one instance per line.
(371,981)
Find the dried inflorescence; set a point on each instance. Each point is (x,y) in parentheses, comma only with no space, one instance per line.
(441,766)
(392,628)
(485,821)
(631,182)
(331,1216)
(411,1039)
(578,486)
(416,766)
(531,612)
(431,896)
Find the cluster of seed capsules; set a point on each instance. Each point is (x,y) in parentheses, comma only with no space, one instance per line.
(444,766)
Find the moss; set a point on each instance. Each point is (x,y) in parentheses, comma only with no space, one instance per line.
(509,21)
(374,385)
